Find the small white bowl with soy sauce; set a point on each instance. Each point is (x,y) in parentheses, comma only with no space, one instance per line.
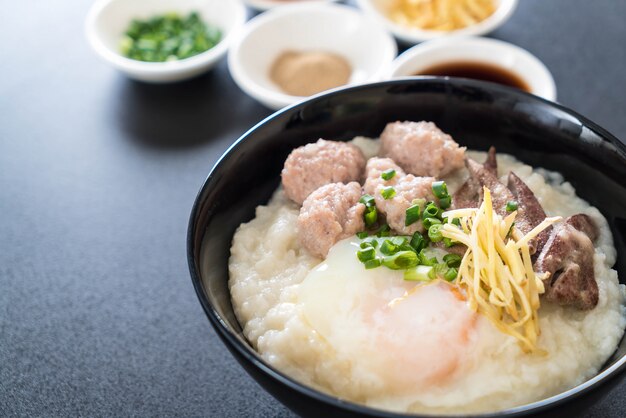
(110,22)
(476,58)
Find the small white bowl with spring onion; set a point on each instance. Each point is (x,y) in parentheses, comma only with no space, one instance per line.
(308,28)
(476,50)
(411,33)
(270,4)
(108,20)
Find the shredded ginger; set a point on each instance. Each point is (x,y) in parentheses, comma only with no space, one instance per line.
(496,270)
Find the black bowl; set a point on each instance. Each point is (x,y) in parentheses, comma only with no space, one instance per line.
(477,115)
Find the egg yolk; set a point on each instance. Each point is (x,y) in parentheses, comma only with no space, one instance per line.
(396,335)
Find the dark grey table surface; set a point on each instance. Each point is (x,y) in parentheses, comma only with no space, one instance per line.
(98,173)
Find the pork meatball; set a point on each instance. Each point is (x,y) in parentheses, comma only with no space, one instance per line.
(421,148)
(407,188)
(314,165)
(330,214)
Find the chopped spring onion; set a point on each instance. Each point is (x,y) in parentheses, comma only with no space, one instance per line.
(511,206)
(439,270)
(399,241)
(418,242)
(434,232)
(366,254)
(388,174)
(388,192)
(418,273)
(370,216)
(367,200)
(445,202)
(451,274)
(428,222)
(412,215)
(388,247)
(362,235)
(440,189)
(430,211)
(425,260)
(372,264)
(401,260)
(452,260)
(365,244)
(448,242)
(168,37)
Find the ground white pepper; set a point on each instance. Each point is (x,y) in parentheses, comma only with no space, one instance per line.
(307,73)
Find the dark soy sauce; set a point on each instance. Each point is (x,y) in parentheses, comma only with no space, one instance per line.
(477,71)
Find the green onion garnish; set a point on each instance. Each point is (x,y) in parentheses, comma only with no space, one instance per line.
(362,235)
(388,192)
(367,200)
(418,242)
(430,211)
(412,215)
(419,273)
(434,232)
(372,264)
(448,242)
(365,244)
(370,216)
(399,241)
(366,254)
(452,260)
(428,222)
(401,260)
(440,269)
(445,202)
(168,37)
(457,222)
(451,274)
(388,174)
(388,247)
(425,260)
(440,189)
(511,206)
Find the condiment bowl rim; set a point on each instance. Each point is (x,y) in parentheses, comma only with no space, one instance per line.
(274,98)
(234,342)
(505,10)
(425,51)
(270,4)
(136,67)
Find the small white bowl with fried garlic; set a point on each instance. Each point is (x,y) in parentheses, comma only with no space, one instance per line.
(414,21)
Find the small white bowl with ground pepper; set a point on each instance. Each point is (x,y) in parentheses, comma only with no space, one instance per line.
(161,41)
(292,52)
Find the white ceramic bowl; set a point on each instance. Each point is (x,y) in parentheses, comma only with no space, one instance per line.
(481,50)
(414,35)
(108,20)
(307,27)
(270,4)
